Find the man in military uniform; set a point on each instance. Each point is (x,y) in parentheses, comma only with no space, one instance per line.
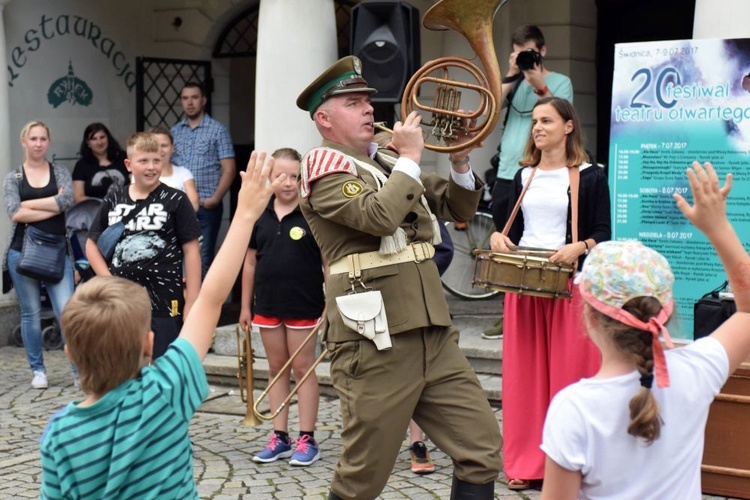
(374,217)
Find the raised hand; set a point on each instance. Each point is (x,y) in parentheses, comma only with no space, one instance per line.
(407,137)
(255,190)
(513,68)
(709,207)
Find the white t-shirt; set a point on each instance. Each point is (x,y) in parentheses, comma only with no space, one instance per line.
(587,422)
(180,175)
(545,208)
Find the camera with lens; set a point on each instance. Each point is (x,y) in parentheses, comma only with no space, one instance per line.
(527,59)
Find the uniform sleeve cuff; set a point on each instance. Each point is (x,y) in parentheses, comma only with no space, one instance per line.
(465,180)
(408,167)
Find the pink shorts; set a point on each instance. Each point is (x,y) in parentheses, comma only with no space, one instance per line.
(272,322)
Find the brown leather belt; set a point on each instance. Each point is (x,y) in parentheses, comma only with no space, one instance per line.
(356,262)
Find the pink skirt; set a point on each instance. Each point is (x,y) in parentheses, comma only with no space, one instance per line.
(545,348)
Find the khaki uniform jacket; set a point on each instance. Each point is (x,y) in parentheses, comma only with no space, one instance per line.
(344,223)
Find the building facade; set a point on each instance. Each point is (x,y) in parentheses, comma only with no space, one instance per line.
(74,62)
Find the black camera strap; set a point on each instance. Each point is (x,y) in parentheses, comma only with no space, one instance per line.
(509,98)
(495,160)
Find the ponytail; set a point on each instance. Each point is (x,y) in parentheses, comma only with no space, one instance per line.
(645,419)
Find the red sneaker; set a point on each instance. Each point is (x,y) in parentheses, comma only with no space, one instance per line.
(421,463)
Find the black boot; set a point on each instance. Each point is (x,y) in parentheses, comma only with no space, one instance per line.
(333,496)
(461,490)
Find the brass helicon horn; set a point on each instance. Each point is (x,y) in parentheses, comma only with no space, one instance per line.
(473,20)
(245,375)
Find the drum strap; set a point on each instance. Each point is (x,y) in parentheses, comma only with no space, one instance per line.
(517,207)
(574,174)
(574,181)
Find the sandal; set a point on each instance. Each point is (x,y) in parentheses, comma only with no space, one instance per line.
(518,484)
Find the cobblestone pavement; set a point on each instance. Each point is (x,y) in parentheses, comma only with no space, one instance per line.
(222,447)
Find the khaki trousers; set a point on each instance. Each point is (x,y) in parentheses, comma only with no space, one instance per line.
(424,375)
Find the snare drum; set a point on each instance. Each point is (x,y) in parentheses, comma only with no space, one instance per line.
(523,271)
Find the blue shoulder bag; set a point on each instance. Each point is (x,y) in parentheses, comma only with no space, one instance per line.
(107,241)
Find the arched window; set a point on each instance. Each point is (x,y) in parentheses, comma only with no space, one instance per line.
(240,37)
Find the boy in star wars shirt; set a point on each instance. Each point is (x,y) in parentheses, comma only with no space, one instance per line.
(156,242)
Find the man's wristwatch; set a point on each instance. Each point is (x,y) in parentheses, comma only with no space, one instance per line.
(541,91)
(458,163)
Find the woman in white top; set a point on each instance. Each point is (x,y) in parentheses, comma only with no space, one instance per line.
(543,349)
(616,435)
(173,176)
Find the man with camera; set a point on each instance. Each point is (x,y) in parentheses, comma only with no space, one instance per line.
(526,82)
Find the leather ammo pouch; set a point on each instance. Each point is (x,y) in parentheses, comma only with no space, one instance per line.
(365,314)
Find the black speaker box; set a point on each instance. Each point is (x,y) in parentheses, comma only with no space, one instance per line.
(385,36)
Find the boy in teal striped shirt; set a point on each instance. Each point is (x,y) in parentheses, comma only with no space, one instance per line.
(129,437)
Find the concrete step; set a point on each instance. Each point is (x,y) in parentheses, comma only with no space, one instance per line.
(471,317)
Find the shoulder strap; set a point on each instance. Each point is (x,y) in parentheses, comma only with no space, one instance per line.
(19,173)
(574,182)
(138,207)
(52,175)
(513,214)
(574,175)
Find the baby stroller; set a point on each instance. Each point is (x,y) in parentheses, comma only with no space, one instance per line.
(51,335)
(78,220)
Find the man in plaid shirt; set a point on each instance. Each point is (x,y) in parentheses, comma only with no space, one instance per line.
(203,145)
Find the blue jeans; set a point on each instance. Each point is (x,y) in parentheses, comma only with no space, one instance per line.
(210,222)
(28,291)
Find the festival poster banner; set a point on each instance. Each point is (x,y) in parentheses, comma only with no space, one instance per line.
(674,102)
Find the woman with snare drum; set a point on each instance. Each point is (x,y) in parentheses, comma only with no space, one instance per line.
(544,348)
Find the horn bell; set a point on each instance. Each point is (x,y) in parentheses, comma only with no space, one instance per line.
(473,20)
